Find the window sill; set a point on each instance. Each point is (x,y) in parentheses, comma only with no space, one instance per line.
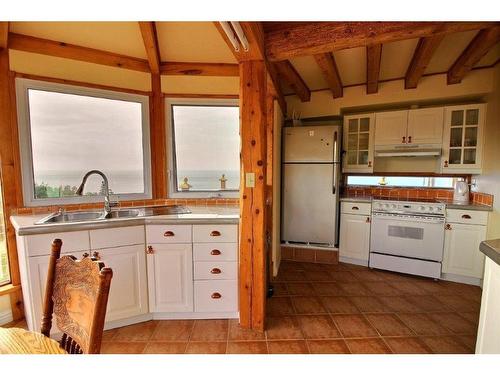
(9,288)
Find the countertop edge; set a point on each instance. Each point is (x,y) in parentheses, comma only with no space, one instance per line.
(491,248)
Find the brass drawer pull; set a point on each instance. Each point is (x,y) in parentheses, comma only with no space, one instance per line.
(150,250)
(466,216)
(96,255)
(447,227)
(355,208)
(168,233)
(215,233)
(215,252)
(216,295)
(215,271)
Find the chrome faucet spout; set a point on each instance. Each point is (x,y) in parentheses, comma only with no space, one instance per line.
(79,191)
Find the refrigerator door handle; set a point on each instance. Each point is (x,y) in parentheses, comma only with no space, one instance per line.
(335,161)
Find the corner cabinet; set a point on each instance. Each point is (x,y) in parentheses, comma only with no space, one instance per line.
(354,238)
(463,139)
(359,133)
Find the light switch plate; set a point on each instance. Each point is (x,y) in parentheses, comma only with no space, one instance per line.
(250,180)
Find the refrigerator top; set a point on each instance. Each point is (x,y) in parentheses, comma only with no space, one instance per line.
(311,144)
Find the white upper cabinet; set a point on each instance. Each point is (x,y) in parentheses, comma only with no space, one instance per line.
(358,143)
(425,126)
(390,128)
(463,139)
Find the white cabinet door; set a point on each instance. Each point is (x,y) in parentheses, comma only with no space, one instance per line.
(358,143)
(128,295)
(425,126)
(170,278)
(461,250)
(390,128)
(354,241)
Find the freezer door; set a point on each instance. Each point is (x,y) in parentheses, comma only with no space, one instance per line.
(310,144)
(310,207)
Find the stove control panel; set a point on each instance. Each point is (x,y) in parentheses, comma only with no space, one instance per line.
(402,207)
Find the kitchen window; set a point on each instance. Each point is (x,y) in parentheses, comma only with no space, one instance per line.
(204,145)
(403,181)
(67,130)
(4,260)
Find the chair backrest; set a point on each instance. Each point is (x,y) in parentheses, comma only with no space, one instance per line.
(77,294)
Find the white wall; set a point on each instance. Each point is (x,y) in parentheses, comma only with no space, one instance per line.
(5,311)
(276,240)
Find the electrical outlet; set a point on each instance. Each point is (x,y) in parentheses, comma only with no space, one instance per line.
(250,180)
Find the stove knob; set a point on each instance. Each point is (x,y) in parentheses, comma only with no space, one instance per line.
(422,208)
(431,208)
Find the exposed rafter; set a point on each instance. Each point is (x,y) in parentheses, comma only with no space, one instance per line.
(477,48)
(199,69)
(421,58)
(148,31)
(287,72)
(373,57)
(284,41)
(4,35)
(326,62)
(276,88)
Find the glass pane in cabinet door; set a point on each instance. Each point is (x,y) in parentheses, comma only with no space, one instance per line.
(363,157)
(364,124)
(472,117)
(470,137)
(352,157)
(456,137)
(353,125)
(352,141)
(470,156)
(457,118)
(363,141)
(455,156)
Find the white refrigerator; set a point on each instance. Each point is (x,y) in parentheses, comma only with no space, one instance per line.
(311,173)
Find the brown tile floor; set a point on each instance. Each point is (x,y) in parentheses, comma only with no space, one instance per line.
(328,309)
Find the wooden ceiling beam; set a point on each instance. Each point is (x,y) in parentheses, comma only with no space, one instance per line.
(287,72)
(421,58)
(4,35)
(276,88)
(326,62)
(148,31)
(310,38)
(199,69)
(70,51)
(373,57)
(477,48)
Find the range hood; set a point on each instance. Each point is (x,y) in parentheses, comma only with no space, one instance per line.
(408,150)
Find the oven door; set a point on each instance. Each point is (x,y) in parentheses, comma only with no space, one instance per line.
(407,236)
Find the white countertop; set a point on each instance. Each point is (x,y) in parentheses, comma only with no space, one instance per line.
(25,224)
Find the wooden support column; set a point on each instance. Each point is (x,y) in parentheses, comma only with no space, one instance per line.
(158,139)
(253,209)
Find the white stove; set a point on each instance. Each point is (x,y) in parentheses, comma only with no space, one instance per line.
(407,236)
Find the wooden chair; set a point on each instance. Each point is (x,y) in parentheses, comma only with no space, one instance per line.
(77,293)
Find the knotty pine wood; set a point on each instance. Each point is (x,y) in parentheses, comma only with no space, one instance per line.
(199,69)
(326,63)
(287,72)
(421,58)
(4,34)
(158,139)
(150,39)
(373,58)
(275,86)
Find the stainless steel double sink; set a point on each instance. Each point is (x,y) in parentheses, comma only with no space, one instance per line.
(83,216)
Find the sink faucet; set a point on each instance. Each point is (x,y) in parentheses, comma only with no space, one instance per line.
(107,204)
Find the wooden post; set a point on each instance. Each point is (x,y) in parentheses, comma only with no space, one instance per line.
(253,209)
(158,139)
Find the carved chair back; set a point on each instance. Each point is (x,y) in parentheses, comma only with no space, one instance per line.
(76,294)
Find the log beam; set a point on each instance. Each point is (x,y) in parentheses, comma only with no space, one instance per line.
(421,58)
(158,139)
(150,39)
(373,57)
(4,35)
(326,63)
(199,69)
(477,48)
(287,72)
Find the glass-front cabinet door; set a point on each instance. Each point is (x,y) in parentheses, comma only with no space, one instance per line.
(463,141)
(358,143)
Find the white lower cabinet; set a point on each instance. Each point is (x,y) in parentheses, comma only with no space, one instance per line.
(354,240)
(170,277)
(461,250)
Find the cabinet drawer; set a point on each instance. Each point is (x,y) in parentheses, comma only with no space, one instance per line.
(467,217)
(215,233)
(40,244)
(114,237)
(215,251)
(215,270)
(168,233)
(215,296)
(356,208)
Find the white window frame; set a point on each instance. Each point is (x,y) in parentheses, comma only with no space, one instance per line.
(171,183)
(26,154)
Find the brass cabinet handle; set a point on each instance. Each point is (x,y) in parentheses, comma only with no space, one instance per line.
(96,255)
(447,227)
(355,208)
(85,255)
(216,295)
(369,163)
(215,233)
(466,216)
(368,220)
(446,163)
(150,250)
(409,139)
(404,140)
(168,233)
(215,271)
(215,252)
